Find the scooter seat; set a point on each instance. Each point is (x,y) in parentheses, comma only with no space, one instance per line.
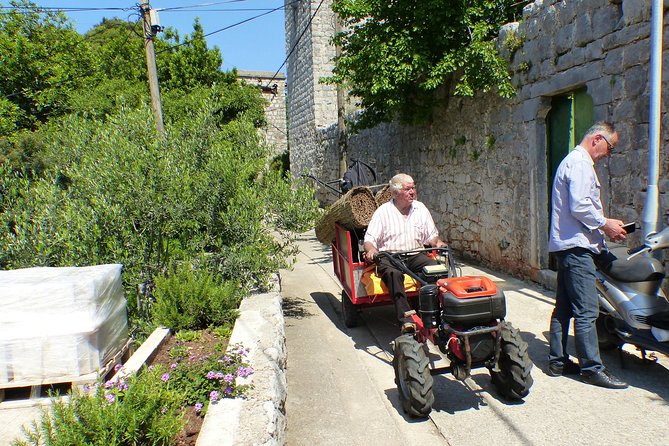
(640,268)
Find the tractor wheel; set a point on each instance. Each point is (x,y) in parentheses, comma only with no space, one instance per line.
(349,311)
(514,379)
(606,339)
(412,376)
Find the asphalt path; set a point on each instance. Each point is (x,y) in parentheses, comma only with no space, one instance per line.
(341,386)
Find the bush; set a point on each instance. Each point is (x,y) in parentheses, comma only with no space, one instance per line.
(111,192)
(142,410)
(192,300)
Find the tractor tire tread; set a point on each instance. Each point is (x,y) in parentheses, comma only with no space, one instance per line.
(514,379)
(418,381)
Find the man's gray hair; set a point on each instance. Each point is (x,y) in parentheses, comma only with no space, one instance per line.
(398,181)
(600,127)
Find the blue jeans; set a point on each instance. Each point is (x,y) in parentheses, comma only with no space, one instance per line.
(576,297)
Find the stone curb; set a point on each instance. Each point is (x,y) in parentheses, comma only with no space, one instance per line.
(260,418)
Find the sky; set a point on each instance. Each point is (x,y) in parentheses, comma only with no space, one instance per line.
(258,44)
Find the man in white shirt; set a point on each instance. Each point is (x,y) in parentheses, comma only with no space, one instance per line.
(401,224)
(578,226)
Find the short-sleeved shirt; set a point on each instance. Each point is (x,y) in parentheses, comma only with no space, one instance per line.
(390,230)
(577,211)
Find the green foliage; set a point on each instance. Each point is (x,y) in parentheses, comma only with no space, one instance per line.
(143,410)
(188,335)
(397,57)
(293,207)
(111,192)
(490,142)
(42,64)
(209,377)
(513,42)
(191,300)
(189,63)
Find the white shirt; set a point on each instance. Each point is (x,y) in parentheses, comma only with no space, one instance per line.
(577,208)
(390,230)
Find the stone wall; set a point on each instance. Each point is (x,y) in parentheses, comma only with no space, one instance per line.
(482,166)
(273,88)
(312,105)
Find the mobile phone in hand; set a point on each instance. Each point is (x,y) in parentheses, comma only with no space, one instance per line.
(630,227)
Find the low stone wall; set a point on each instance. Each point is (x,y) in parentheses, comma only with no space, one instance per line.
(260,418)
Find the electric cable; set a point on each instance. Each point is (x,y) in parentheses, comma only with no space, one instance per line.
(296,43)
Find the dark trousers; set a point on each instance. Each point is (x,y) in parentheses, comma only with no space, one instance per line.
(394,280)
(576,297)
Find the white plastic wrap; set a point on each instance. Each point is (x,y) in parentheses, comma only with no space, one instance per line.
(59,322)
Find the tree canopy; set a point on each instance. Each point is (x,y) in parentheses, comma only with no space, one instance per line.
(50,70)
(399,59)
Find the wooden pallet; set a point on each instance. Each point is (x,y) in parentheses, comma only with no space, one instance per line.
(34,389)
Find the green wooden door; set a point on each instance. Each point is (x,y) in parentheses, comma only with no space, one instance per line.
(571,115)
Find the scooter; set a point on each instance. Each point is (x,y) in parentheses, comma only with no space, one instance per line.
(633,308)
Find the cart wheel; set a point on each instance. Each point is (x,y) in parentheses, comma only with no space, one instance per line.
(514,379)
(412,376)
(349,311)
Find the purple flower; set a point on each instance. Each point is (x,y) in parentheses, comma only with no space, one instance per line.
(213,396)
(173,366)
(109,384)
(211,374)
(122,385)
(244,371)
(229,377)
(87,388)
(228,390)
(227,358)
(110,397)
(150,367)
(165,377)
(163,410)
(117,367)
(219,375)
(198,407)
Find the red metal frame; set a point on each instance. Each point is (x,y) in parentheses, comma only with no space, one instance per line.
(348,271)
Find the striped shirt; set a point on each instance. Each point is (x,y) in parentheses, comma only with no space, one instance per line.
(389,230)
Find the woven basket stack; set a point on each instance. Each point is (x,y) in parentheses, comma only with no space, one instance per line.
(353,210)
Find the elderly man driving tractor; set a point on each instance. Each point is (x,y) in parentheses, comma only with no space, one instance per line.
(401,224)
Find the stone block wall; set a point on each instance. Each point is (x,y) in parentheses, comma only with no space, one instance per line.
(273,88)
(481,166)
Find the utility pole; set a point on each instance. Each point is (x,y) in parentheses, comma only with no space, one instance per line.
(342,140)
(150,30)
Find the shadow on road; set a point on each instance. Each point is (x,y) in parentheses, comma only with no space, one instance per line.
(295,308)
(363,338)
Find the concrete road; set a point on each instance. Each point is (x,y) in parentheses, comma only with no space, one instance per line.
(342,391)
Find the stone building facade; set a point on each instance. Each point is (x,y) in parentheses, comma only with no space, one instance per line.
(273,89)
(483,166)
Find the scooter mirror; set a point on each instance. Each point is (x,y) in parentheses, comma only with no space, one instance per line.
(660,240)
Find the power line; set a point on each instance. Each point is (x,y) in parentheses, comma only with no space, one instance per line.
(234,25)
(296,43)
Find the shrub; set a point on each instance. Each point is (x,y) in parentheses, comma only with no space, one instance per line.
(191,300)
(111,192)
(142,410)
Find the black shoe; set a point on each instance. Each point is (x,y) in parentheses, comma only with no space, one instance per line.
(567,368)
(603,378)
